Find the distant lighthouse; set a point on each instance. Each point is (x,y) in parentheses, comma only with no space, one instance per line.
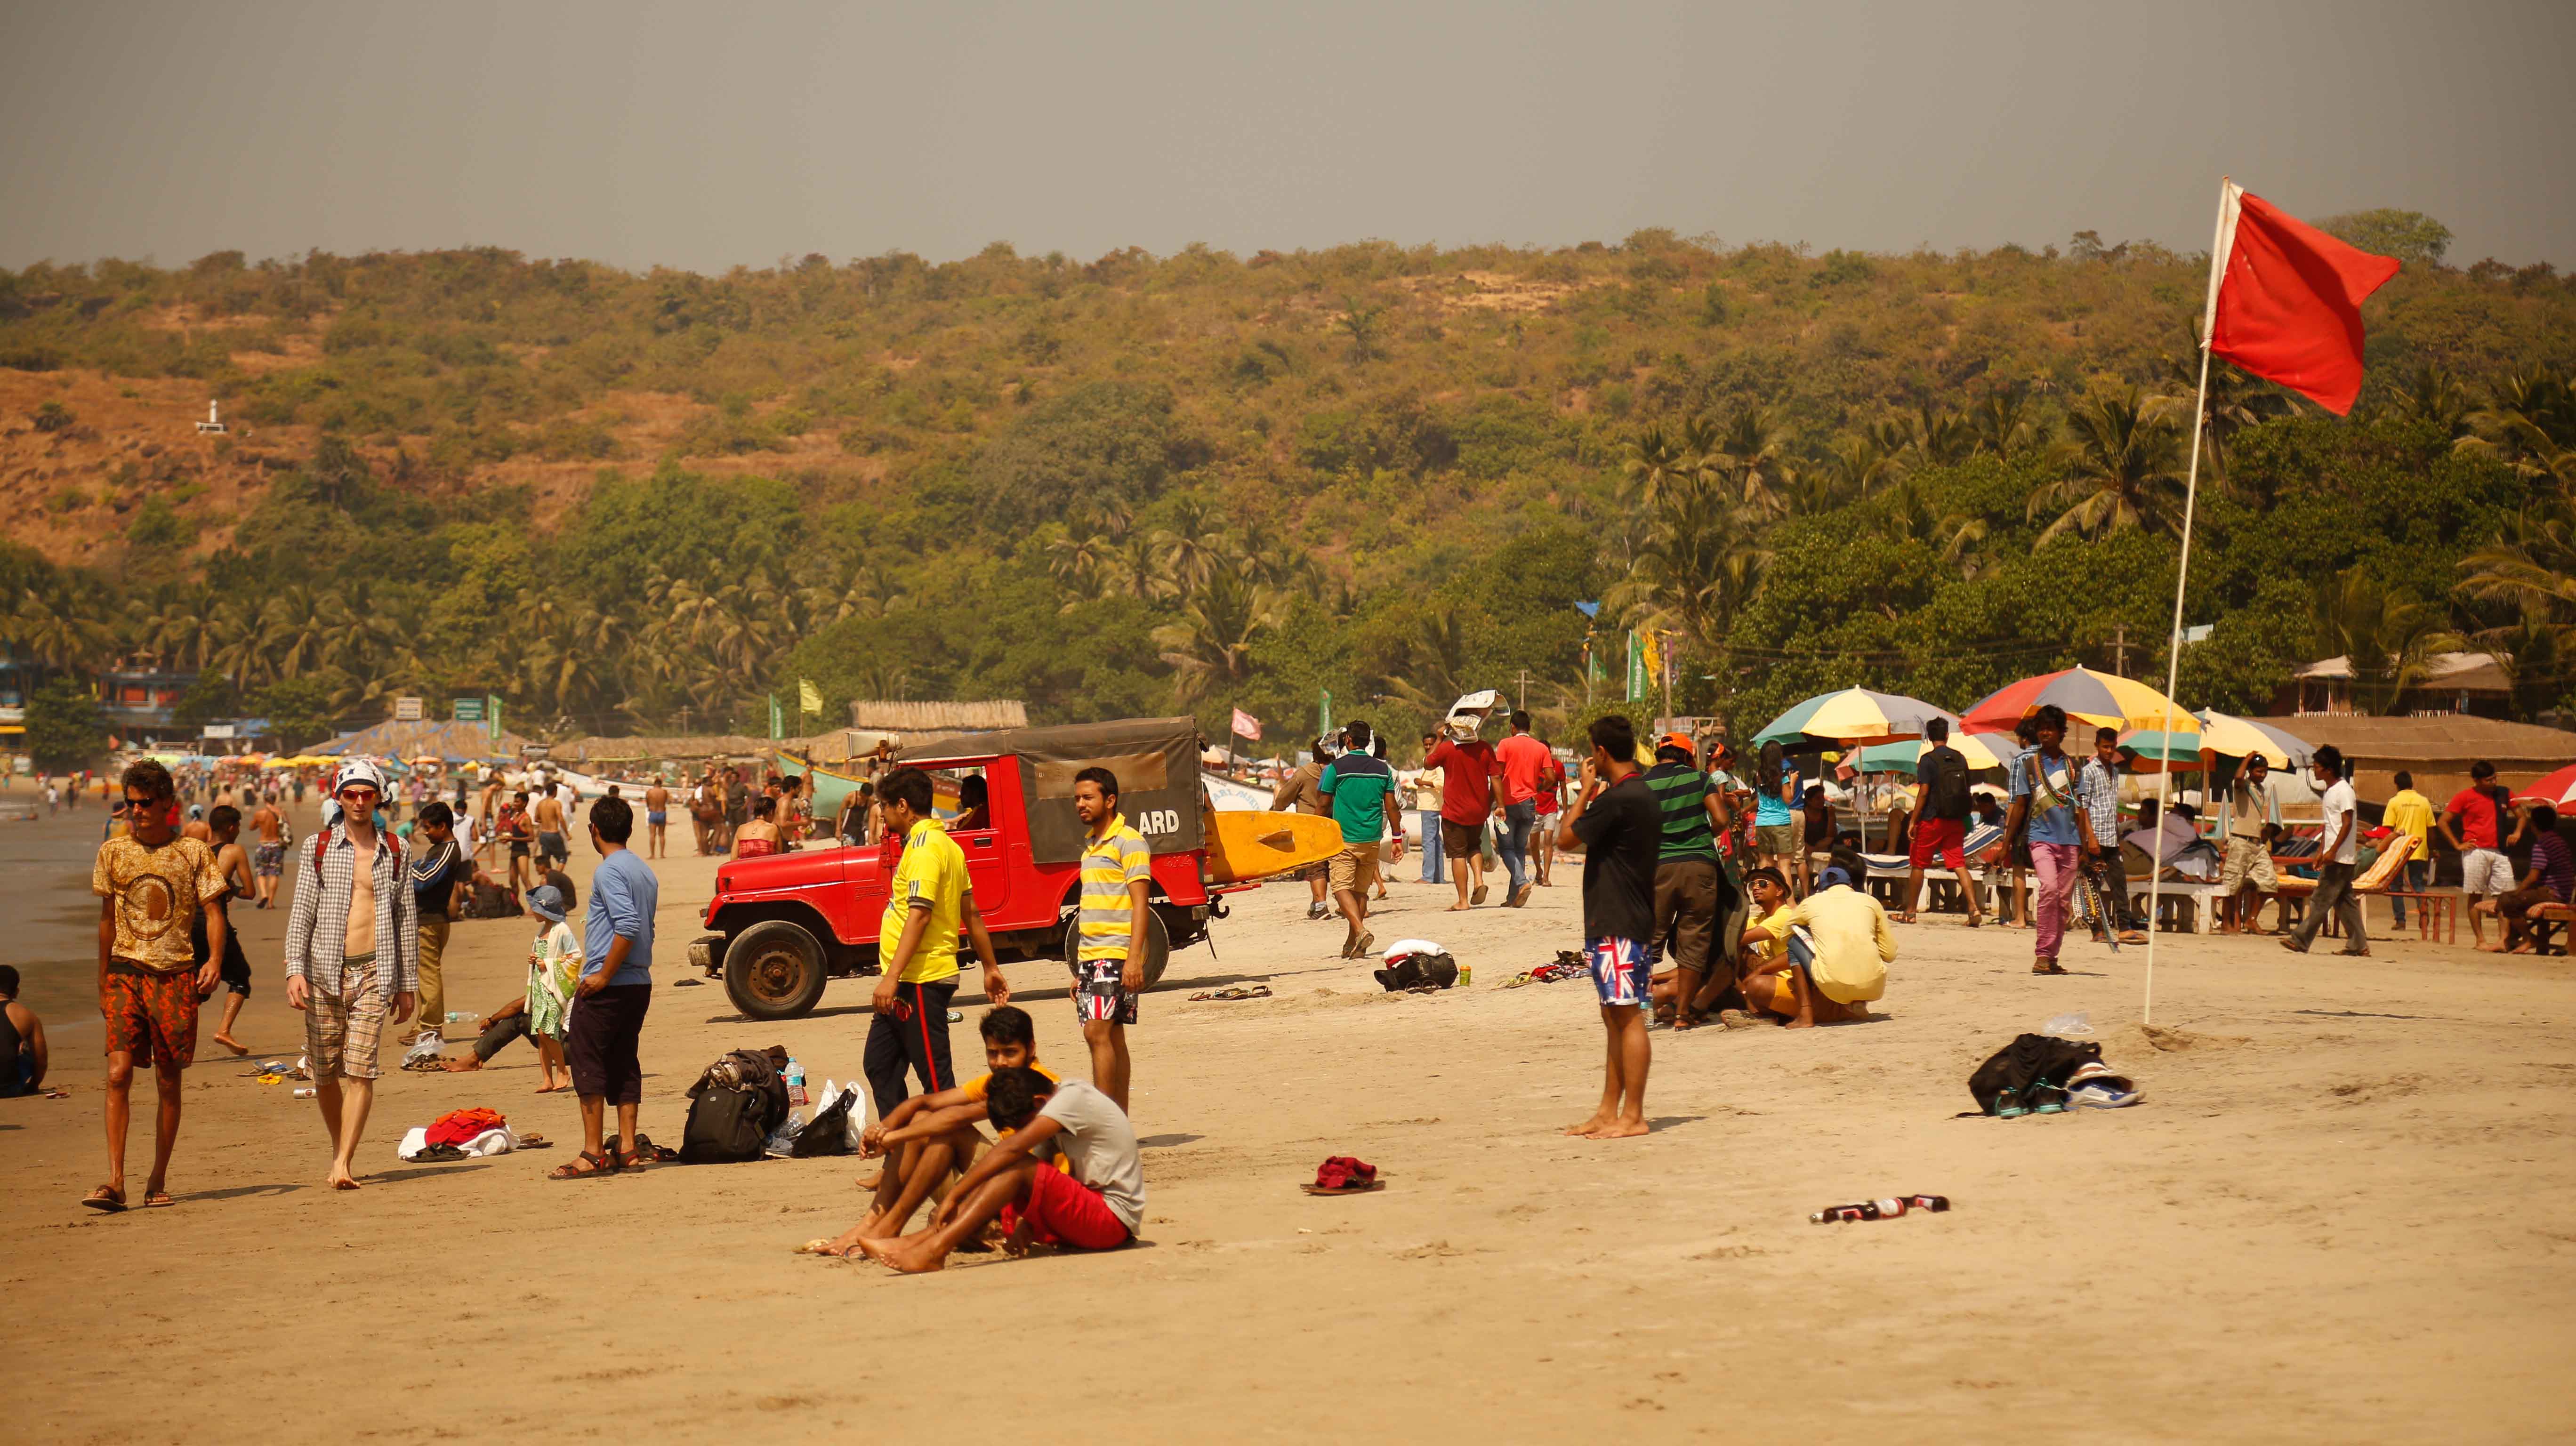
(213,423)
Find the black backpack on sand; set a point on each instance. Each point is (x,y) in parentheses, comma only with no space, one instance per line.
(2030,1059)
(732,1109)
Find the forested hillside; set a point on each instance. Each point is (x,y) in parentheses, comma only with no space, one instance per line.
(1209,480)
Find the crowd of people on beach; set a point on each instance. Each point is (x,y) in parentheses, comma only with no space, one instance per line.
(1711,893)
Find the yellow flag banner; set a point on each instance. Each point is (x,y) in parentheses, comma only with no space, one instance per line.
(808,697)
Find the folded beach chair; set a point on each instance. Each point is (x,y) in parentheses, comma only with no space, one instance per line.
(2383,871)
(1891,869)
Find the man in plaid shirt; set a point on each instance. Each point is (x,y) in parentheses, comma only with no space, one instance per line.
(2097,792)
(352,944)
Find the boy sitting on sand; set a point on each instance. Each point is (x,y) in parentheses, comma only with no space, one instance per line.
(1832,979)
(1097,1207)
(929,1136)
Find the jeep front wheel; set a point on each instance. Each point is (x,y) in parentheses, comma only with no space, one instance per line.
(774,970)
(1158,947)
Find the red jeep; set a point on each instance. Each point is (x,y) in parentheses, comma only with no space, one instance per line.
(788,922)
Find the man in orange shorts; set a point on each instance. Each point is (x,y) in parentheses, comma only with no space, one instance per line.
(152,885)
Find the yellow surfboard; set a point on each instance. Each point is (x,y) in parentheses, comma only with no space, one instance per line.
(1245,845)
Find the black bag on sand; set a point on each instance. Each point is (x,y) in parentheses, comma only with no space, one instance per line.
(2030,1059)
(1419,973)
(732,1108)
(827,1133)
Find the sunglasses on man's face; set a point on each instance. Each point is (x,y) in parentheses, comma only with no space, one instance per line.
(359,795)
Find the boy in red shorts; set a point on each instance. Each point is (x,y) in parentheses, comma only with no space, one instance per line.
(1096,1207)
(1942,803)
(152,885)
(928,1137)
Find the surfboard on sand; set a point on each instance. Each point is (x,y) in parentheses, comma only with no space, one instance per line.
(1244,845)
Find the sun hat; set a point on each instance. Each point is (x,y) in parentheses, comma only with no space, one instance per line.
(546,902)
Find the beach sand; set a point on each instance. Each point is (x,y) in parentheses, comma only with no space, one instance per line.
(2346,1209)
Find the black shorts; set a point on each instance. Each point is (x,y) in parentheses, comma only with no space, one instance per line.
(600,1043)
(518,850)
(1458,840)
(1100,993)
(911,1036)
(235,970)
(551,845)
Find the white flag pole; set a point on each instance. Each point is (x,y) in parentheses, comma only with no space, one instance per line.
(2218,249)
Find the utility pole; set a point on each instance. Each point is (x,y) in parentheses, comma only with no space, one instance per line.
(2120,650)
(1523,697)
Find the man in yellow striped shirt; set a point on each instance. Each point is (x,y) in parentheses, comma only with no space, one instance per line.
(1109,963)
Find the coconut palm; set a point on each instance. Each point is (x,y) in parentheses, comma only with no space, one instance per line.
(2127,470)
(1653,461)
(2004,423)
(1941,439)
(1210,644)
(2433,395)
(1855,465)
(2531,566)
(2386,633)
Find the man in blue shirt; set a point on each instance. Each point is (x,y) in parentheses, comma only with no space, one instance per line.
(1361,790)
(616,989)
(2045,786)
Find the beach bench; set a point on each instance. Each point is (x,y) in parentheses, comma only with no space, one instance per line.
(1942,893)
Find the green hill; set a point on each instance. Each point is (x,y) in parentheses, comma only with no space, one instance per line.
(1106,487)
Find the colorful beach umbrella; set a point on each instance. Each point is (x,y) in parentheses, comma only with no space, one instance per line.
(1852,716)
(1900,757)
(2104,700)
(2558,789)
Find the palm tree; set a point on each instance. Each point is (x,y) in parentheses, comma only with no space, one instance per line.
(1693,565)
(1857,464)
(2531,566)
(1435,666)
(2004,424)
(2433,395)
(2127,471)
(1653,461)
(1210,645)
(1750,456)
(2530,422)
(2386,633)
(1942,439)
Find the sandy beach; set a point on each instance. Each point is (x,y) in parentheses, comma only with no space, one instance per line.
(2343,1211)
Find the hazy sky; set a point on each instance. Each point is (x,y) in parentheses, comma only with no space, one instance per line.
(708,135)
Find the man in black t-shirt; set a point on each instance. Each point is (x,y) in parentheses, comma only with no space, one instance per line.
(1616,820)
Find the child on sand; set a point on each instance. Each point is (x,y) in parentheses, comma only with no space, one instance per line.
(1617,821)
(1096,1207)
(554,970)
(1835,946)
(929,1136)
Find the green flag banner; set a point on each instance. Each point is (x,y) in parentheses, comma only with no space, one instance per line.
(777,724)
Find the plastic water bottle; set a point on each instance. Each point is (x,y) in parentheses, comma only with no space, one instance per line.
(795,1081)
(458,1016)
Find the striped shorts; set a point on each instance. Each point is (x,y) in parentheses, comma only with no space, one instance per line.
(341,1026)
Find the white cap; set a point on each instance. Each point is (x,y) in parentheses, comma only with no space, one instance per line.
(358,770)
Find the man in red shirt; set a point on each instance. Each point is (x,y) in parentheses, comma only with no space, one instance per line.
(1468,767)
(1524,761)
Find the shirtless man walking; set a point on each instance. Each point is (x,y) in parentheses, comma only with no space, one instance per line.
(352,946)
(490,813)
(268,857)
(234,970)
(551,849)
(657,817)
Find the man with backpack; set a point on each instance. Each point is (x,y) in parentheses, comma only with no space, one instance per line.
(1941,807)
(352,956)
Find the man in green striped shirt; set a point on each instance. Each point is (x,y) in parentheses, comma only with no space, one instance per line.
(1691,891)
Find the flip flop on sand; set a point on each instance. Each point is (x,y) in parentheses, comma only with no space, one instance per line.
(158,1199)
(1344,1175)
(106,1199)
(1257,991)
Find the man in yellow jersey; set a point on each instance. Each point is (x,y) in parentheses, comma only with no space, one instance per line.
(928,902)
(2410,814)
(1109,967)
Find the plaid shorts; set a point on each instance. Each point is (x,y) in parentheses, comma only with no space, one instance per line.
(152,1015)
(341,1026)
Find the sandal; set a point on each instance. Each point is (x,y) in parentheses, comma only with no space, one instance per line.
(159,1199)
(1904,918)
(106,1199)
(583,1166)
(2047,966)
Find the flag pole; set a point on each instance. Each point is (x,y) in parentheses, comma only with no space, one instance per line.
(2182,575)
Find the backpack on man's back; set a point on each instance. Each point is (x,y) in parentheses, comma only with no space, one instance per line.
(1945,783)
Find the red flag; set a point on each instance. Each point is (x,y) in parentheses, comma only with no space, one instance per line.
(2285,300)
(1247,726)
